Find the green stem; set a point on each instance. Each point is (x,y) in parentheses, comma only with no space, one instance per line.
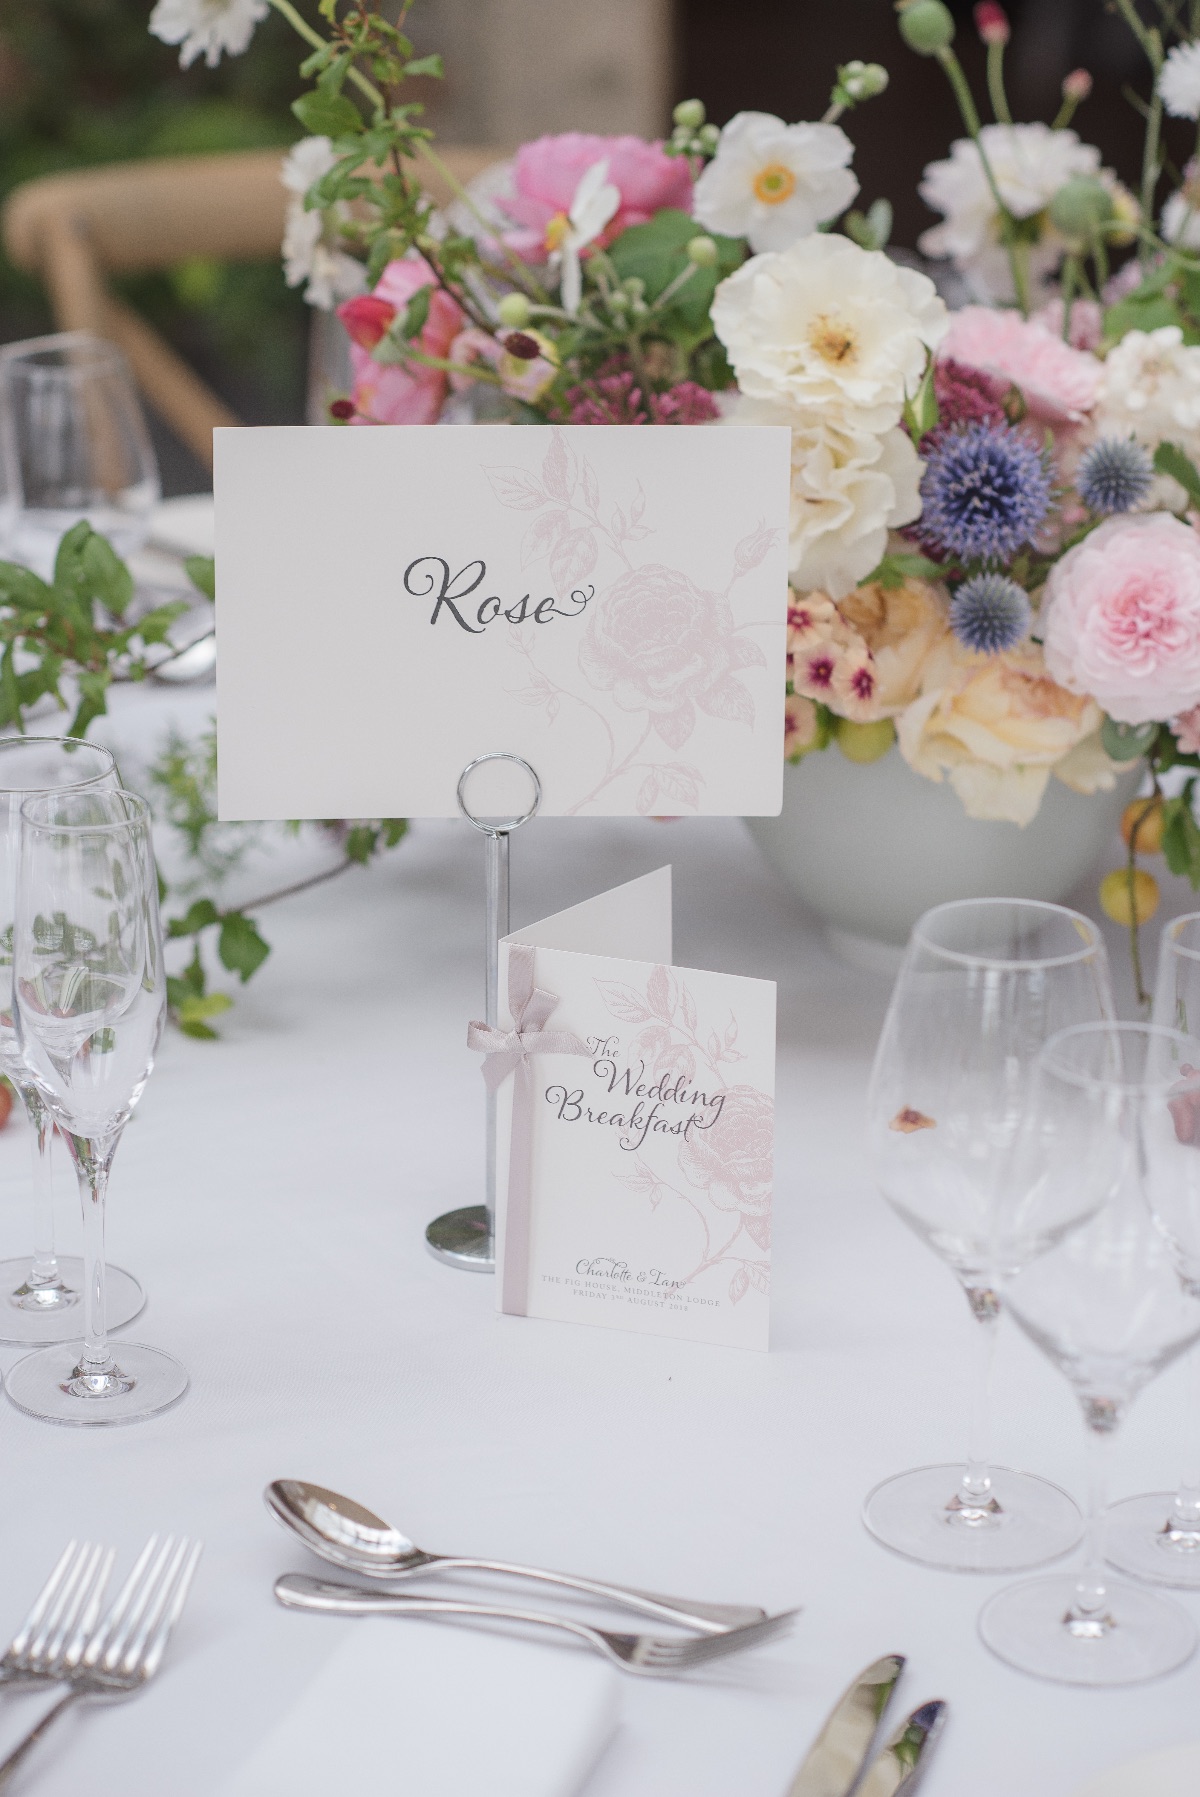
(521,269)
(1135,955)
(1065,113)
(1070,275)
(995,81)
(668,293)
(970,117)
(301,25)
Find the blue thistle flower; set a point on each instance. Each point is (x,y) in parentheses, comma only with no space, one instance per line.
(985,492)
(990,613)
(1114,475)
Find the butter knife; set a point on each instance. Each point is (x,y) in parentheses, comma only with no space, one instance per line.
(836,1758)
(899,1767)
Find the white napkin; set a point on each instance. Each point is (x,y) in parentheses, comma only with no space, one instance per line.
(1175,1772)
(423,1709)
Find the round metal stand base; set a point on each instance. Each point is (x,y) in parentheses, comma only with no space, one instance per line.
(463,1238)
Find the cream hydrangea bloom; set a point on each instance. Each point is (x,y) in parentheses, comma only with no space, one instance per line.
(1150,389)
(849,487)
(1030,164)
(207,27)
(997,727)
(330,273)
(772,183)
(837,333)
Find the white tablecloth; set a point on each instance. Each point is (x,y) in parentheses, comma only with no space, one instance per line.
(272,1193)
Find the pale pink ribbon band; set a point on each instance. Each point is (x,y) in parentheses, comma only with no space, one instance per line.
(510,1051)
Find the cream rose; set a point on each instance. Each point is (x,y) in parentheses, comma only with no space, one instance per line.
(997,727)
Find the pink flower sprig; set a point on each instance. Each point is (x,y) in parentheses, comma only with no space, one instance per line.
(618,399)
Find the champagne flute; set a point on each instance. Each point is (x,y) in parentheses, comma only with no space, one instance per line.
(89,1003)
(984,984)
(1156,1535)
(1111,1127)
(76,444)
(40,1295)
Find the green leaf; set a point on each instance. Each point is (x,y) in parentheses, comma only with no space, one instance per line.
(241,948)
(1125,742)
(921,411)
(93,700)
(394,828)
(415,314)
(426,65)
(894,570)
(195,1009)
(19,587)
(360,843)
(870,230)
(1181,836)
(10,696)
(327,115)
(201,570)
(332,77)
(656,253)
(197,917)
(1148,312)
(200,1030)
(1169,459)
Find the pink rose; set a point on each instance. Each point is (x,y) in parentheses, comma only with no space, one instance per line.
(390,392)
(547,172)
(660,644)
(1124,617)
(733,1161)
(1059,384)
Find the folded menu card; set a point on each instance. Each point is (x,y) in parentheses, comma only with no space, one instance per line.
(429,1709)
(607,602)
(635,1135)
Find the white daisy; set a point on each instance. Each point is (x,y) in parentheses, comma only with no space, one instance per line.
(772,183)
(595,204)
(207,26)
(1179,82)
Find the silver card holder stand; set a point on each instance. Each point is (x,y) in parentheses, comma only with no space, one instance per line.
(466,1238)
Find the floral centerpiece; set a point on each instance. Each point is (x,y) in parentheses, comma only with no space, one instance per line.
(994,553)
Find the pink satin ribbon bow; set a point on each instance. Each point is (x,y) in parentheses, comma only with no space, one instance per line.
(510,1051)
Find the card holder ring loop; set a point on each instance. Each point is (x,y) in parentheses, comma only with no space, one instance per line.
(500,826)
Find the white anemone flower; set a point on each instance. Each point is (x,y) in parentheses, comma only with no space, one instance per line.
(772,183)
(206,27)
(1179,82)
(595,204)
(331,275)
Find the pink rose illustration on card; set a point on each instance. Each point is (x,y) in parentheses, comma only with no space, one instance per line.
(636,1143)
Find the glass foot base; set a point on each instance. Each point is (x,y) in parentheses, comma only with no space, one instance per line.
(1141,1635)
(49,1385)
(1139,1540)
(463,1238)
(1028,1522)
(31,1316)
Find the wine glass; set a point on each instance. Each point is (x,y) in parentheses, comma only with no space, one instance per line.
(1156,1535)
(40,1295)
(983,985)
(89,1002)
(76,444)
(1112,1126)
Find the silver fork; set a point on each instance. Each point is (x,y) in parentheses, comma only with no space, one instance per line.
(118,1656)
(654,1655)
(69,1600)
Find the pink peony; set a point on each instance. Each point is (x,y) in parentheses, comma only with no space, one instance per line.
(1059,384)
(1087,321)
(1187,731)
(547,172)
(1124,617)
(391,393)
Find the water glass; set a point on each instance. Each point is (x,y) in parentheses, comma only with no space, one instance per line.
(75,442)
(89,1004)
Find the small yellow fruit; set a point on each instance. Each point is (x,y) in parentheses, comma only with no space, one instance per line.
(1149,830)
(865,742)
(1114,895)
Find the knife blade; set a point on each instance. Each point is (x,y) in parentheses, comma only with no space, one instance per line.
(899,1767)
(841,1750)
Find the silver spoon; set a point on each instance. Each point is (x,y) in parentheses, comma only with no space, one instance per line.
(342,1532)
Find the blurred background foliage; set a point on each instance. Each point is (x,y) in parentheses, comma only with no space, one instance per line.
(82,82)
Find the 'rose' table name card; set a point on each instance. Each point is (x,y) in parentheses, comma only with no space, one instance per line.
(608,602)
(636,1126)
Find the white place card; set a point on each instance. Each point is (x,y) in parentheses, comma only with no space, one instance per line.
(636,1140)
(608,602)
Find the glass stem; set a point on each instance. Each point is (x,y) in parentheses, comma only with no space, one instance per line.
(44,1267)
(1088,1615)
(93,1160)
(975,1490)
(1185,1509)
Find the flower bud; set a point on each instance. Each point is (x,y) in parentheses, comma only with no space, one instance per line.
(342,410)
(1081,208)
(926,26)
(708,137)
(703,252)
(991,22)
(514,311)
(689,114)
(1077,85)
(523,347)
(863,80)
(634,286)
